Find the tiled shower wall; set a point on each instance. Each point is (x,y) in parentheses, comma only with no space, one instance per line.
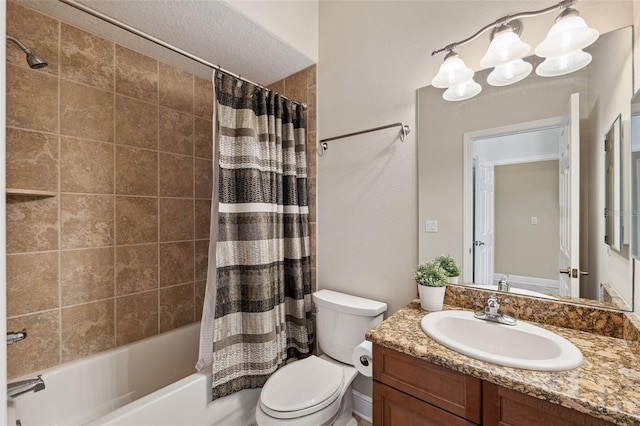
(122,142)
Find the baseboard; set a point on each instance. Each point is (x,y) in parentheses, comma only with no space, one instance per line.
(363,406)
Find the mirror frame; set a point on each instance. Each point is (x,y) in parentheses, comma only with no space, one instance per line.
(613,207)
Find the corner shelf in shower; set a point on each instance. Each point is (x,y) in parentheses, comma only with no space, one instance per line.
(31,192)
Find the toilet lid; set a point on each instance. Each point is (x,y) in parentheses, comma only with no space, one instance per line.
(311,383)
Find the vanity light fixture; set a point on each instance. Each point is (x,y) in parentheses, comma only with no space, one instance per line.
(562,50)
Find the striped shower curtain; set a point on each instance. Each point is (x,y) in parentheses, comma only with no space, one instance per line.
(262,257)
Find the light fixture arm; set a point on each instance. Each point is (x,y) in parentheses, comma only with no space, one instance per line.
(505,20)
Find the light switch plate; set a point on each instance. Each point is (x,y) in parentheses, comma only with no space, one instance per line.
(431,226)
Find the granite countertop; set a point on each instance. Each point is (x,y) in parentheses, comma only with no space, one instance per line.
(604,386)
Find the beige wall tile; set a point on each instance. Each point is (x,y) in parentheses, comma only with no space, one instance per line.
(87,329)
(86,58)
(203,219)
(176,307)
(136,317)
(176,132)
(176,219)
(136,268)
(136,171)
(278,86)
(201,259)
(312,155)
(40,350)
(312,109)
(32,99)
(86,112)
(204,138)
(296,86)
(176,88)
(136,220)
(37,31)
(176,176)
(200,288)
(32,160)
(86,275)
(86,221)
(204,178)
(311,187)
(136,123)
(32,224)
(176,263)
(136,75)
(86,166)
(32,283)
(203,102)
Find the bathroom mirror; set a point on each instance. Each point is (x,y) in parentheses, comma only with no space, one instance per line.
(635,175)
(516,130)
(613,158)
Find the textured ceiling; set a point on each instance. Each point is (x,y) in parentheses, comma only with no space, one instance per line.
(207,29)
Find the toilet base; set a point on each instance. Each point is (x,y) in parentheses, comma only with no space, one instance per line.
(345,416)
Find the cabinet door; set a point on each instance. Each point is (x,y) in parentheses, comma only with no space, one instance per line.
(394,408)
(450,390)
(505,407)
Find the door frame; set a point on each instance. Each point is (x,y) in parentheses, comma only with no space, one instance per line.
(467,180)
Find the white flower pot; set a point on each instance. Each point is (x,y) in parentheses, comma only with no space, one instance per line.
(453,280)
(431,298)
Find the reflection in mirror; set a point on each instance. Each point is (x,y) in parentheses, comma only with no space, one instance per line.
(635,174)
(613,157)
(502,200)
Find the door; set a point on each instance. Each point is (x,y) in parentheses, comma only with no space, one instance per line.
(484,222)
(569,163)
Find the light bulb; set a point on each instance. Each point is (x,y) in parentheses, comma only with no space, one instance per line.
(505,47)
(463,91)
(563,64)
(570,33)
(453,71)
(509,73)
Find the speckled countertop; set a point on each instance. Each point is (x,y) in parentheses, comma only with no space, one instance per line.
(607,385)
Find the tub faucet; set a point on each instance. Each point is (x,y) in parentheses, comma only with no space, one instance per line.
(491,312)
(24,386)
(503,284)
(16,336)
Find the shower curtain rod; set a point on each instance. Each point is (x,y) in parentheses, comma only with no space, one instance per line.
(405,129)
(164,44)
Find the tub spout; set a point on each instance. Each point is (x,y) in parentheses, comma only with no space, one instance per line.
(24,386)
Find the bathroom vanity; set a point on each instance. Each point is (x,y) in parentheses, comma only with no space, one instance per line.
(418,381)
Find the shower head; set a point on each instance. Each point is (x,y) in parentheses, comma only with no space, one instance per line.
(34,60)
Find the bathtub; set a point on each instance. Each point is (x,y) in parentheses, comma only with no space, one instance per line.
(151,382)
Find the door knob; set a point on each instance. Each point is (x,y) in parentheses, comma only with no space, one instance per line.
(574,273)
(478,243)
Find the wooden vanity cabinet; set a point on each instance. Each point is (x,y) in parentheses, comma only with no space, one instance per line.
(408,391)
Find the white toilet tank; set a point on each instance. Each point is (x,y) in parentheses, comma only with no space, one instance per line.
(343,320)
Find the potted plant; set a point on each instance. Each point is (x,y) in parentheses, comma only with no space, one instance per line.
(432,282)
(450,267)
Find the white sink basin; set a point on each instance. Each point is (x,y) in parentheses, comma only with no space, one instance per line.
(521,346)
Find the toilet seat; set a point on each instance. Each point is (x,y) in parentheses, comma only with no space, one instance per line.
(302,388)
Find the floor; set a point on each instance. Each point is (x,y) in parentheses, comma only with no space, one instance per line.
(362,422)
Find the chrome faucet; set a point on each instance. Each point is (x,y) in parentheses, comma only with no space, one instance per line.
(16,336)
(24,386)
(503,284)
(491,312)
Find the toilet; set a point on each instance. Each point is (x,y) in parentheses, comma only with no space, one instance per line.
(316,391)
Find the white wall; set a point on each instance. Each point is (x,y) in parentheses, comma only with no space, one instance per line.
(295,22)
